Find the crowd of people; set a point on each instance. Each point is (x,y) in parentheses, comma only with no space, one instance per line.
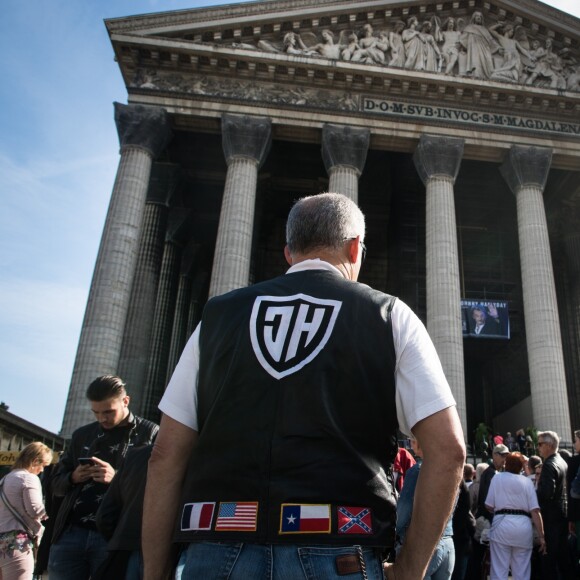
(277,452)
(526,518)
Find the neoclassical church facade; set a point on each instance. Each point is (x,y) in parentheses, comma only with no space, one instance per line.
(454,125)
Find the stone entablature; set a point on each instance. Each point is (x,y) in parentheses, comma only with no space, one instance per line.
(496,57)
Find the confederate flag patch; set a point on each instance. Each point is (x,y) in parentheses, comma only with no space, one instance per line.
(354,520)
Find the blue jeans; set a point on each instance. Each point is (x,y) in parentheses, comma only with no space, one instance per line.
(225,561)
(442,562)
(134,566)
(77,554)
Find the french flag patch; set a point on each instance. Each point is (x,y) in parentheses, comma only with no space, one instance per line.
(197,516)
(305,519)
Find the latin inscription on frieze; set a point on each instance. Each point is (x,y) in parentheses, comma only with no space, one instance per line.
(410,111)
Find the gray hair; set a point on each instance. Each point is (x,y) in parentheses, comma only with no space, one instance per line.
(481,467)
(323,221)
(550,437)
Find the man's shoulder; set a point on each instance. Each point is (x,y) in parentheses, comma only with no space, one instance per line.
(85,431)
(146,424)
(286,282)
(488,473)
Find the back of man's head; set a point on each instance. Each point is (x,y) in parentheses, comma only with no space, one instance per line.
(551,438)
(323,221)
(106,387)
(468,472)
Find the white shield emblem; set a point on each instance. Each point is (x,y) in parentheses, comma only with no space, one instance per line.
(288,332)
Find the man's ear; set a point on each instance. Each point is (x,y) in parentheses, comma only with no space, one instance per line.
(353,249)
(288,255)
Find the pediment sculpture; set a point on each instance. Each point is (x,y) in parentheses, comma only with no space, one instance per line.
(464,47)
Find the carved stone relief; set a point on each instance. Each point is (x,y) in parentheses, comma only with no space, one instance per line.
(472,48)
(271,93)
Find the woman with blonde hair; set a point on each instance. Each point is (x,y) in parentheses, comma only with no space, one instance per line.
(21,512)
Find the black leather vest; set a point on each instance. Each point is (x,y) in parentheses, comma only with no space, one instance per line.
(297,418)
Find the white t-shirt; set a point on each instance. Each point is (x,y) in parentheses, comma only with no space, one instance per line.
(421,387)
(514,492)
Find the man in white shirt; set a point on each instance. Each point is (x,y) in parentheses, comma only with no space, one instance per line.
(290,392)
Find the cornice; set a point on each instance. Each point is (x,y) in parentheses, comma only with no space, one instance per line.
(229,14)
(152,63)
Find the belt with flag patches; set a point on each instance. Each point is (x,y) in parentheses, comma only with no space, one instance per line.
(232,516)
(295,518)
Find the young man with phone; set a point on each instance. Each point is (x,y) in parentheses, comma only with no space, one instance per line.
(84,473)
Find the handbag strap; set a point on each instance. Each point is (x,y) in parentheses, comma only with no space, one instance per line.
(13,511)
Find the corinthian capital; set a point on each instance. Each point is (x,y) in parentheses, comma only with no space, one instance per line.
(245,136)
(344,145)
(438,156)
(526,166)
(143,126)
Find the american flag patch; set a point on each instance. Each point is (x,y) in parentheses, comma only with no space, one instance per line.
(237,516)
(197,516)
(354,520)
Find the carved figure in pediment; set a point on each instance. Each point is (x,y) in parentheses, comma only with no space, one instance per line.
(327,48)
(452,51)
(549,69)
(510,68)
(145,79)
(371,49)
(414,55)
(571,69)
(351,48)
(396,44)
(480,47)
(293,44)
(573,80)
(431,53)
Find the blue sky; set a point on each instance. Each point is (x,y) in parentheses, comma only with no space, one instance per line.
(58,159)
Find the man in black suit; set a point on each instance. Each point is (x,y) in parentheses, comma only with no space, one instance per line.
(552,498)
(486,322)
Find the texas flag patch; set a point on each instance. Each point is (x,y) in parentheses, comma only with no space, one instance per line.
(354,520)
(197,516)
(305,519)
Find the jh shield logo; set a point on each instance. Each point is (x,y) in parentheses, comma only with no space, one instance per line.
(288,332)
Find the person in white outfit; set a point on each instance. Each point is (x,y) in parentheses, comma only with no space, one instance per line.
(512,499)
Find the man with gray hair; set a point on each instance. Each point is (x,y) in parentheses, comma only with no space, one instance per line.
(552,497)
(279,425)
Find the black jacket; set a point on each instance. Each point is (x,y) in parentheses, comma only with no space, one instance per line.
(83,443)
(573,504)
(484,484)
(552,489)
(121,511)
(463,520)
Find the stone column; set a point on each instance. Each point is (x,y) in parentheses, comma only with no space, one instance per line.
(162,325)
(526,171)
(246,142)
(144,132)
(134,359)
(572,324)
(344,152)
(437,160)
(182,301)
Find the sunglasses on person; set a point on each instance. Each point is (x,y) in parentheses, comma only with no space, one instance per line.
(362,247)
